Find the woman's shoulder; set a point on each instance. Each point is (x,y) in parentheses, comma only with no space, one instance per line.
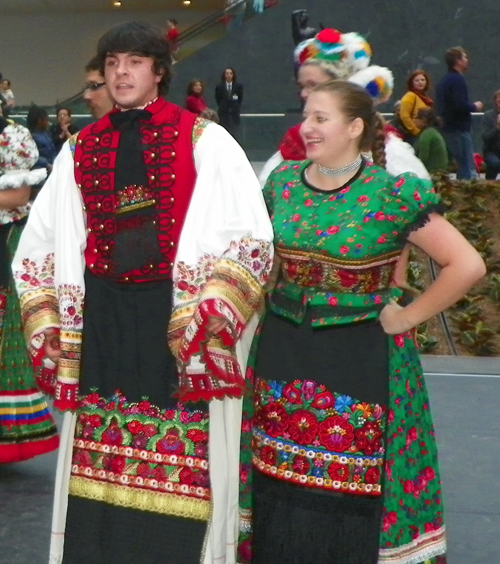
(408,97)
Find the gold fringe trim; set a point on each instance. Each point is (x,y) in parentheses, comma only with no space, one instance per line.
(137,206)
(143,500)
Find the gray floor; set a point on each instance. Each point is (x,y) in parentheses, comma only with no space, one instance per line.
(465,406)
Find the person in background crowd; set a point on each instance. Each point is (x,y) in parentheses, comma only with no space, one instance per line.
(64,129)
(26,426)
(235,11)
(490,129)
(454,108)
(155,226)
(418,84)
(194,101)
(229,96)
(95,93)
(210,114)
(172,38)
(430,146)
(7,93)
(332,438)
(394,125)
(37,122)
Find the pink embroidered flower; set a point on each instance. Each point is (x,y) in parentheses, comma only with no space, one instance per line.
(286,194)
(336,434)
(301,465)
(377,299)
(308,388)
(344,249)
(416,196)
(363,198)
(403,208)
(308,203)
(333,229)
(399,183)
(429,473)
(344,190)
(379,216)
(302,427)
(333,301)
(366,180)
(296,217)
(159,473)
(381,239)
(399,340)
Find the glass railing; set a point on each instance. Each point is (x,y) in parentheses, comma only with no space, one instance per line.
(260,134)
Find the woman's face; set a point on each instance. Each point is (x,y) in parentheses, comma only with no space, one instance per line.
(63,117)
(197,88)
(327,134)
(5,85)
(228,74)
(308,78)
(419,82)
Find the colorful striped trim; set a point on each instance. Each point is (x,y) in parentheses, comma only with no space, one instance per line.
(425,547)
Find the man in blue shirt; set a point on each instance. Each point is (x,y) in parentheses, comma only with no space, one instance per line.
(454,108)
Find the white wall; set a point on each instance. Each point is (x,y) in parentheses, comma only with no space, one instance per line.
(44,54)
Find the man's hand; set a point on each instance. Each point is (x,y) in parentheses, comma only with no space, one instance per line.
(52,345)
(479,106)
(216,325)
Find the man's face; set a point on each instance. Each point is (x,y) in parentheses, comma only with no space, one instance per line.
(497,103)
(464,62)
(131,79)
(96,95)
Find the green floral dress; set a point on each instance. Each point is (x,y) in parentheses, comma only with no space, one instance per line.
(339,460)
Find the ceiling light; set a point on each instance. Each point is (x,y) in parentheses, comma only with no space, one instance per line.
(186,2)
(117,4)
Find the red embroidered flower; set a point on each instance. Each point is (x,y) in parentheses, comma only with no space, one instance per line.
(196,435)
(363,198)
(140,440)
(366,180)
(301,465)
(95,420)
(286,194)
(143,470)
(323,400)
(399,340)
(150,430)
(372,475)
(159,473)
(399,183)
(333,229)
(186,476)
(368,438)
(118,464)
(303,427)
(429,473)
(338,472)
(291,394)
(381,239)
(308,203)
(134,427)
(268,455)
(379,216)
(408,486)
(344,249)
(112,435)
(377,299)
(403,208)
(296,217)
(333,301)
(183,285)
(416,196)
(71,310)
(274,419)
(170,443)
(336,434)
(390,217)
(347,279)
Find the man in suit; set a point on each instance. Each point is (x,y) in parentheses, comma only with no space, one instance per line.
(229,96)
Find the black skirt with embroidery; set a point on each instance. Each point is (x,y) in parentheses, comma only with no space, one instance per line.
(306,525)
(125,348)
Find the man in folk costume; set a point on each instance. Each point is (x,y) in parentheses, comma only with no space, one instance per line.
(155,217)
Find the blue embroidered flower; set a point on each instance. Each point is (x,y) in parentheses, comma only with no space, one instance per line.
(276,388)
(318,472)
(343,403)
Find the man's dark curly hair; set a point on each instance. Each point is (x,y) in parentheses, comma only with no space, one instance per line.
(142,39)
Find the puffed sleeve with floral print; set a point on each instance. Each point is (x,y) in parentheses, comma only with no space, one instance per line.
(409,201)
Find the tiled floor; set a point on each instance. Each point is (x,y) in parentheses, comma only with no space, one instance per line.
(465,407)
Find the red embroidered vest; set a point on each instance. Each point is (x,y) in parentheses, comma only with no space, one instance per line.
(168,156)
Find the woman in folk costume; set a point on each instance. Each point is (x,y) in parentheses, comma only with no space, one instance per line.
(339,461)
(156,218)
(26,426)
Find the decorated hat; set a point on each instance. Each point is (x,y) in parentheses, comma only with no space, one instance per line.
(346,56)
